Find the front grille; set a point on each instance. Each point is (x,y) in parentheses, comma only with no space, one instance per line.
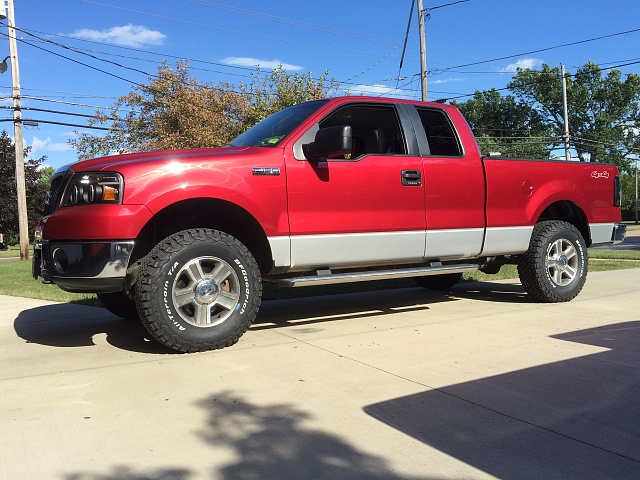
(54,195)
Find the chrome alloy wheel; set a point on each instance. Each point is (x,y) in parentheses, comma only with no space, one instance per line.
(206,291)
(562,262)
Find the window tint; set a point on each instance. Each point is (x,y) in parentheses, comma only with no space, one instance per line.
(375,129)
(442,138)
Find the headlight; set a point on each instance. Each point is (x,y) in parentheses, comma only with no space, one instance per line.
(93,188)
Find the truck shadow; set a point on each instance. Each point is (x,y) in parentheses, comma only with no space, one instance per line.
(67,325)
(574,419)
(324,308)
(72,325)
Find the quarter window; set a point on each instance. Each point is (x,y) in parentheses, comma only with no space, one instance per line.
(442,138)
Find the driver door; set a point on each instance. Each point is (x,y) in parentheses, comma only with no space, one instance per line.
(367,207)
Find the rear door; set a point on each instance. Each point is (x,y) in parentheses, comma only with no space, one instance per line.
(454,187)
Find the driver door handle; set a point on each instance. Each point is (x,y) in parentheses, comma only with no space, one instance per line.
(411,178)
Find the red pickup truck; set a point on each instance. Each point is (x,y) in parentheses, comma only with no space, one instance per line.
(328,191)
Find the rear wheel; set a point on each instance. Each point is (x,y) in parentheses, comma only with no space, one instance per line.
(438,282)
(197,290)
(554,269)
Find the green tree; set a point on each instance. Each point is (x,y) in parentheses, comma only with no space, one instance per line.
(8,198)
(269,93)
(604,111)
(505,125)
(46,172)
(176,111)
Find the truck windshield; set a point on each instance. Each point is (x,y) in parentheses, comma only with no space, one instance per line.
(273,129)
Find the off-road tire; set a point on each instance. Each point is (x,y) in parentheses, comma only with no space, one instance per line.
(438,282)
(197,290)
(119,304)
(554,268)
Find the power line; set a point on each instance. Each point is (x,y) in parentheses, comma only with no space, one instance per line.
(73,60)
(26,120)
(51,111)
(570,44)
(446,5)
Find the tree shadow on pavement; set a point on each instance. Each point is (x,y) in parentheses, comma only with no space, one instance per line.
(273,442)
(574,419)
(270,442)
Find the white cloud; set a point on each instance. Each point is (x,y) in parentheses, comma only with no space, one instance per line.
(372,89)
(127,35)
(523,63)
(377,89)
(46,145)
(252,62)
(445,80)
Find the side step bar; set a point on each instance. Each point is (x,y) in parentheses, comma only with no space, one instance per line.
(325,277)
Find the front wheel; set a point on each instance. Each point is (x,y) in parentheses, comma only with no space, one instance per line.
(199,289)
(554,269)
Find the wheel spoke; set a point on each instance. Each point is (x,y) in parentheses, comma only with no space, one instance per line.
(557,276)
(227,300)
(202,314)
(220,273)
(570,251)
(194,271)
(183,296)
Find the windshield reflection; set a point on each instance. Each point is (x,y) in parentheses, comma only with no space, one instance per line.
(273,129)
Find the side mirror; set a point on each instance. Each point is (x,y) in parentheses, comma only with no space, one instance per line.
(329,142)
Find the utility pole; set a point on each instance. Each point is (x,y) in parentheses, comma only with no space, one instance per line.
(21,190)
(567,153)
(636,191)
(423,53)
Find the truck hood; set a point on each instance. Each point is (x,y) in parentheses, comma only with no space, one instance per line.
(118,162)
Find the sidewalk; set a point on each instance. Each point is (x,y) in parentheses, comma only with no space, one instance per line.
(399,384)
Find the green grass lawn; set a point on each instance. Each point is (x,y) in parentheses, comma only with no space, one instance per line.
(16,280)
(13,251)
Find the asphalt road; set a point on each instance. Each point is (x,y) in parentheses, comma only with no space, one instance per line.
(400,384)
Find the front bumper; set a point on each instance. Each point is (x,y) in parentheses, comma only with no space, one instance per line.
(83,267)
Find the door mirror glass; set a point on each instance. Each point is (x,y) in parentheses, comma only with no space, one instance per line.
(329,142)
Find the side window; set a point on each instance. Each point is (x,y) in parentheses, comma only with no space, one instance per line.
(375,129)
(442,138)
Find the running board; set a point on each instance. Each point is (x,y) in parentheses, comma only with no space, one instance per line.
(325,277)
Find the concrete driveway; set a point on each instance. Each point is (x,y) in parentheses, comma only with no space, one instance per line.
(399,384)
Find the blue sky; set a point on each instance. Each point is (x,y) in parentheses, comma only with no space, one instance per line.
(71,52)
